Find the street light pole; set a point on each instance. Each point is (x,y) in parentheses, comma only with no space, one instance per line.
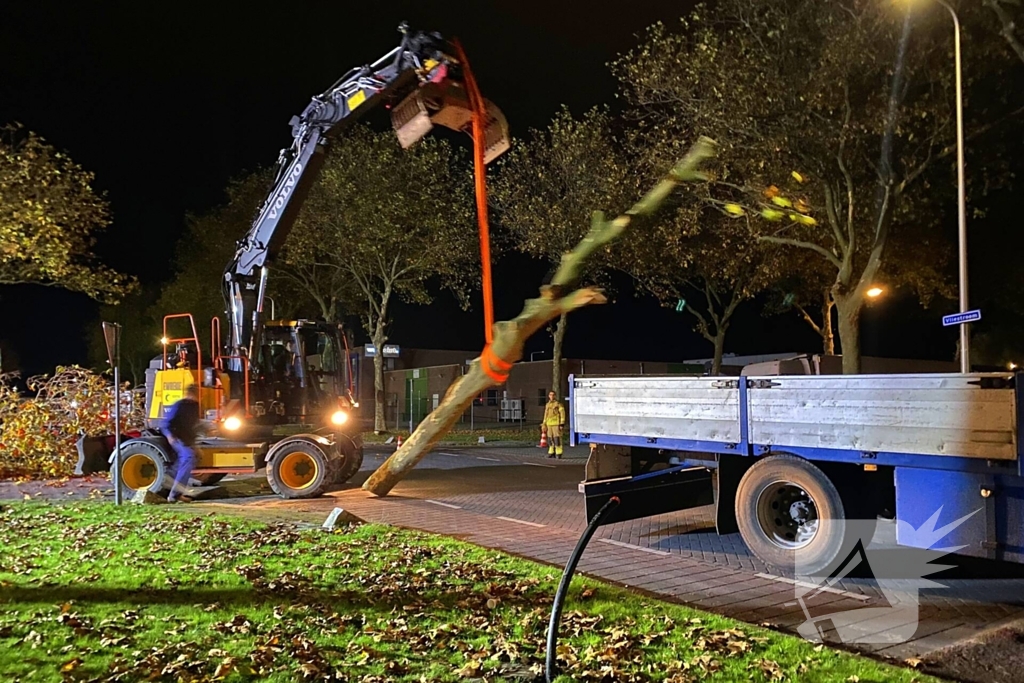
(965,340)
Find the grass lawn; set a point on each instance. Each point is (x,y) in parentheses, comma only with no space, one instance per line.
(92,592)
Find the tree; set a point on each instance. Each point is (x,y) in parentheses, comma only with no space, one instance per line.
(701,263)
(835,99)
(806,289)
(546,188)
(393,223)
(50,217)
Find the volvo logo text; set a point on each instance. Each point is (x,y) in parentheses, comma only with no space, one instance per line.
(286,190)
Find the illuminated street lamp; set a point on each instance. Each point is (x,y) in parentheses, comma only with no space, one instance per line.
(875,292)
(965,352)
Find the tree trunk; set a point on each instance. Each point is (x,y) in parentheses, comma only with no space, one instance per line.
(828,337)
(719,342)
(849,309)
(510,336)
(379,397)
(556,356)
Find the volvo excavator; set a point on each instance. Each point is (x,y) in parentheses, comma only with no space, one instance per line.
(277,392)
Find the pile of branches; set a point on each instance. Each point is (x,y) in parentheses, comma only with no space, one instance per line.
(39,429)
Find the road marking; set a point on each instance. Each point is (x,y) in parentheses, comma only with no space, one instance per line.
(488,459)
(813,586)
(537,464)
(446,505)
(521,521)
(633,547)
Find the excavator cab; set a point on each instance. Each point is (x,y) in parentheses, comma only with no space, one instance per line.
(300,374)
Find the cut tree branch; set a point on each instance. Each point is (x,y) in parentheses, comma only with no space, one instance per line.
(511,335)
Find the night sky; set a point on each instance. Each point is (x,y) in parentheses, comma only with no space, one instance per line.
(165,105)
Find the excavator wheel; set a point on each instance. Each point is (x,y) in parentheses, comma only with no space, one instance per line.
(348,465)
(299,469)
(143,466)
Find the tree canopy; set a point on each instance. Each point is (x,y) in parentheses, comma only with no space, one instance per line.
(50,218)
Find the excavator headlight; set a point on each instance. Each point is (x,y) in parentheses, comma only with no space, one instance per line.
(233,424)
(339,417)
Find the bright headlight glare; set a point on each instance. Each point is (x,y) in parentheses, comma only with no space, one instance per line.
(232,423)
(339,417)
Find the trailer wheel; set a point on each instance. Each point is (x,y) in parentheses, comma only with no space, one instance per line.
(299,469)
(790,514)
(143,466)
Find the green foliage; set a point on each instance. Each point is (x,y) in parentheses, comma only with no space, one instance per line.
(104,593)
(50,217)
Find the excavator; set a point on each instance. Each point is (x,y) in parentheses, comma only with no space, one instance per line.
(277,392)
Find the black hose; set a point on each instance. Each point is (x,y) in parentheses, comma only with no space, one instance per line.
(563,586)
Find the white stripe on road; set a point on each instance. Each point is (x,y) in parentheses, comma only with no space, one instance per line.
(537,464)
(520,521)
(816,587)
(447,505)
(488,459)
(632,547)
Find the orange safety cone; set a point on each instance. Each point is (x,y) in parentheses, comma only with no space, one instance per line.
(399,441)
(543,438)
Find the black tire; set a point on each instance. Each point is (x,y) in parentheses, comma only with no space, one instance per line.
(350,464)
(299,469)
(790,514)
(144,465)
(208,479)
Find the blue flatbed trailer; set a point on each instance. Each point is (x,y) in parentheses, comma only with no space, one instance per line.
(786,460)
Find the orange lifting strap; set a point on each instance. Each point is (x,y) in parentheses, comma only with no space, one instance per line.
(495,367)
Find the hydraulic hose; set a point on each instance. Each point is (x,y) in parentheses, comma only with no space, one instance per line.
(563,586)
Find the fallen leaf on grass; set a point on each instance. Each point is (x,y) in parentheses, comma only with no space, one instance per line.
(72,665)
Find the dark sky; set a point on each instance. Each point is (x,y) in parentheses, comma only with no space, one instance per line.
(165,105)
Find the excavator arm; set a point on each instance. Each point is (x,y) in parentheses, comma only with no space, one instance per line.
(421,80)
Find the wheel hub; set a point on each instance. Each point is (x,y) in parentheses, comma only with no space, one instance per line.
(787,515)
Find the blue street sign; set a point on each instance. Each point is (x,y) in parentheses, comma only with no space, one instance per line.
(961,318)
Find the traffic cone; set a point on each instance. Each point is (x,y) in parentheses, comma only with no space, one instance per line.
(399,441)
(543,439)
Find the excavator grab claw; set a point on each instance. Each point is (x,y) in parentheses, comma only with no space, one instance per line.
(446,104)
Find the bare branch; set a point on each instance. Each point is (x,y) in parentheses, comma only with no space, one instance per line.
(1008,27)
(816,248)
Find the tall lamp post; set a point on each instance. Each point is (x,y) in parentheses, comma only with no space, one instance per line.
(965,340)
